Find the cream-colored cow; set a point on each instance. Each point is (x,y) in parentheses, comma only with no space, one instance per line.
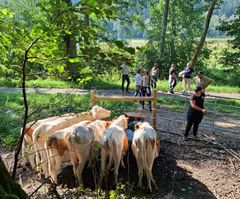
(82,144)
(27,145)
(43,131)
(57,149)
(145,147)
(115,145)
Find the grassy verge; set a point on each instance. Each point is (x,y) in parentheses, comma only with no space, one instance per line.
(43,106)
(109,82)
(46,105)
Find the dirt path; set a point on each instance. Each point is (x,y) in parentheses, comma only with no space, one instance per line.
(184,170)
(107,92)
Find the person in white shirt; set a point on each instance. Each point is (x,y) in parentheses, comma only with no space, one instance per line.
(146,89)
(138,83)
(154,75)
(125,77)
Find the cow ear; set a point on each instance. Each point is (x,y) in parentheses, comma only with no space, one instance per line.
(94,112)
(108,123)
(137,126)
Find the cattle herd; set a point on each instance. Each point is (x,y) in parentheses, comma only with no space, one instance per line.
(75,137)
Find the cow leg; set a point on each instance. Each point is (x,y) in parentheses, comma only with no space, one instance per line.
(74,161)
(116,160)
(137,154)
(140,171)
(29,153)
(44,162)
(54,165)
(83,157)
(38,163)
(103,159)
(150,161)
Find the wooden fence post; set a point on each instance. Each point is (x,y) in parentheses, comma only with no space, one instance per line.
(93,98)
(154,113)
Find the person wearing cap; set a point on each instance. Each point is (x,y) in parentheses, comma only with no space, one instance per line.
(125,77)
(195,112)
(202,81)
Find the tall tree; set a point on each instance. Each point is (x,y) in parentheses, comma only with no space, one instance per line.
(204,33)
(173,52)
(185,18)
(71,47)
(164,27)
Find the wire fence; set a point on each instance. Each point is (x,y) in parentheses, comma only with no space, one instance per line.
(220,117)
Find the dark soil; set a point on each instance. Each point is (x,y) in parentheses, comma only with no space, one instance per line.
(188,170)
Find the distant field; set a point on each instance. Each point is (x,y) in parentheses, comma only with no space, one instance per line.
(137,42)
(142,42)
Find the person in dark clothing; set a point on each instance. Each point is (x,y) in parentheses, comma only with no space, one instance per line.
(125,77)
(195,112)
(172,78)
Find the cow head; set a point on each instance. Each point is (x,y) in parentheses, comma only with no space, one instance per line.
(99,112)
(123,121)
(141,124)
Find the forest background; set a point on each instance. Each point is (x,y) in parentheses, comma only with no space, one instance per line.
(64,43)
(87,41)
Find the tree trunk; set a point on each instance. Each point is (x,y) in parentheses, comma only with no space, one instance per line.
(71,52)
(164,27)
(8,187)
(173,35)
(204,34)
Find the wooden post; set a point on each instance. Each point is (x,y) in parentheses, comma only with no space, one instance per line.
(154,113)
(93,98)
(153,98)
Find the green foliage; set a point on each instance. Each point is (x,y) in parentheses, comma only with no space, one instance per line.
(43,106)
(185,22)
(231,56)
(60,26)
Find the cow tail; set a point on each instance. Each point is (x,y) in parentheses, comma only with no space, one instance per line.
(145,165)
(23,146)
(36,149)
(51,161)
(110,149)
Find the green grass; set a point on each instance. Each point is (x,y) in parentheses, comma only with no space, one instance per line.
(107,82)
(43,106)
(46,105)
(51,83)
(180,104)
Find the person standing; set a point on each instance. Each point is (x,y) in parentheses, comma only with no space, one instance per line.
(186,73)
(202,81)
(195,112)
(138,83)
(146,90)
(172,78)
(125,77)
(154,75)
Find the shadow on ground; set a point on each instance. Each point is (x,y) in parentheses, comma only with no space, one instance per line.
(172,180)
